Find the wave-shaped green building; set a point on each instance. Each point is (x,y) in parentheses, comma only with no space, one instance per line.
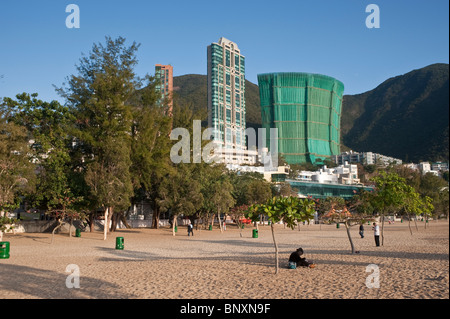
(306,110)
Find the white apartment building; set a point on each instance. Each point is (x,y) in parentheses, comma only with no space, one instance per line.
(365,158)
(346,174)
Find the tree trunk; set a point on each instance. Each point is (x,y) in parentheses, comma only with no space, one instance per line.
(114,219)
(347,227)
(415,223)
(239,224)
(54,229)
(174,224)
(276,248)
(124,221)
(409,223)
(70,227)
(1,235)
(91,222)
(382,230)
(105,226)
(218,218)
(155,221)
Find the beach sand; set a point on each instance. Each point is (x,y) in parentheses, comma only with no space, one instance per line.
(214,265)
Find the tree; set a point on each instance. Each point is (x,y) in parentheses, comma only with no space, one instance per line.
(250,188)
(388,196)
(180,193)
(412,204)
(222,197)
(16,170)
(432,186)
(99,98)
(356,211)
(48,126)
(290,210)
(237,214)
(150,146)
(63,209)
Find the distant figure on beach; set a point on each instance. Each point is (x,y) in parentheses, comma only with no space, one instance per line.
(190,229)
(361,230)
(376,232)
(300,261)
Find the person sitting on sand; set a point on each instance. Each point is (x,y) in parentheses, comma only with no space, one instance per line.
(300,261)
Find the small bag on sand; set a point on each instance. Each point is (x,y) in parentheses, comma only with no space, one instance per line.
(292,265)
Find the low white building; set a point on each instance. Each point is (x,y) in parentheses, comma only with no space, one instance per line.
(365,158)
(425,167)
(343,174)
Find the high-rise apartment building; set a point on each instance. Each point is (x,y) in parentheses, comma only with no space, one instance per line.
(164,78)
(226,94)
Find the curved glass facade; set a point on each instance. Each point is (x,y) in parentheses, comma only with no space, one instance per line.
(306,110)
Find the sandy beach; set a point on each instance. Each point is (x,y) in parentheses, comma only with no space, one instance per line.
(215,265)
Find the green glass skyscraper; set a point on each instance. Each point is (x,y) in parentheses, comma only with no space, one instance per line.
(306,110)
(226,94)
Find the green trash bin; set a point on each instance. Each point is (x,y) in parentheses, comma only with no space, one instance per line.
(210,227)
(176,228)
(119,242)
(255,233)
(77,232)
(4,250)
(337,225)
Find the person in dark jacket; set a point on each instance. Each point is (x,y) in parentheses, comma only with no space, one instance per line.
(361,231)
(300,261)
(190,229)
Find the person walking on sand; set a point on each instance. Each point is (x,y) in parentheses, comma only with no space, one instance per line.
(376,232)
(190,229)
(361,230)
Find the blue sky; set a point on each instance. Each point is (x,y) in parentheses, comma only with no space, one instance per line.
(328,37)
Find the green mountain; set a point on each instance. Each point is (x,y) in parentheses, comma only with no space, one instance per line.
(191,91)
(405,117)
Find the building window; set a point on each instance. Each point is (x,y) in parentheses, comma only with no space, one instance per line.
(228,116)
(228,97)
(228,132)
(227,58)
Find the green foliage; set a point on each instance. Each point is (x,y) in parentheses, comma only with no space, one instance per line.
(250,188)
(393,194)
(48,126)
(290,210)
(7,224)
(99,98)
(180,191)
(390,192)
(16,171)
